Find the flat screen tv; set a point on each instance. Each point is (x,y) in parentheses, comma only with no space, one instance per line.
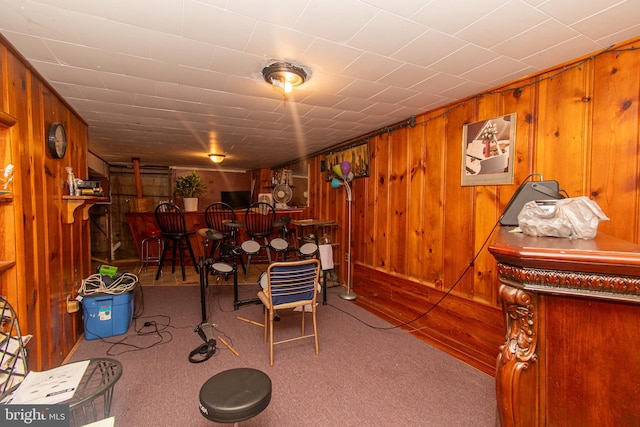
(237,199)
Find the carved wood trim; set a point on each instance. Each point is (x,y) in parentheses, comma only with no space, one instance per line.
(518,353)
(574,282)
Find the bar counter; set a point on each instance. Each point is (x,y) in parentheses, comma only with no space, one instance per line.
(139,221)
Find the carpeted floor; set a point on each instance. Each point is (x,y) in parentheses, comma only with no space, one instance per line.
(367,373)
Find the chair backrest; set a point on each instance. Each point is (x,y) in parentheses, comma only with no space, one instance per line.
(293,282)
(216,213)
(258,219)
(170,219)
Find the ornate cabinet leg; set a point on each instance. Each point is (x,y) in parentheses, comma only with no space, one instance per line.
(517,354)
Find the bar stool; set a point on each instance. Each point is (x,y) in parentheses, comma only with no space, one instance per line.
(149,236)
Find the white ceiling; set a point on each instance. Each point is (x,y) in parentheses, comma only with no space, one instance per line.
(169,81)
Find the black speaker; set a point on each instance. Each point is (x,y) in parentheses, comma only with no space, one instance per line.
(539,190)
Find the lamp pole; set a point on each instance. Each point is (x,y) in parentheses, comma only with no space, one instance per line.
(348,295)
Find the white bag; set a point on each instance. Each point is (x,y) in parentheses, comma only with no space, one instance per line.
(574,218)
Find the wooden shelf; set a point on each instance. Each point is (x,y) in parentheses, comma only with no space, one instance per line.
(6,198)
(71,203)
(5,265)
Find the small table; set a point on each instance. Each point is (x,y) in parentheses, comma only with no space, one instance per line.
(315,223)
(98,380)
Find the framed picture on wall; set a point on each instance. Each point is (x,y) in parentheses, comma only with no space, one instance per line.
(488,149)
(358,155)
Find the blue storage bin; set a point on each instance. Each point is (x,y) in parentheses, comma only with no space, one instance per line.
(107,315)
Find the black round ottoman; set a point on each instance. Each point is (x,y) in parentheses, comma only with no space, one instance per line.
(235,395)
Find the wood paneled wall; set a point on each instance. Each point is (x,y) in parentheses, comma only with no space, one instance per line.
(419,236)
(51,257)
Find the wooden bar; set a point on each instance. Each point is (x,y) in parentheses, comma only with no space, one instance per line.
(572,310)
(139,221)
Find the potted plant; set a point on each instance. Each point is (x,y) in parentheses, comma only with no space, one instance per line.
(190,187)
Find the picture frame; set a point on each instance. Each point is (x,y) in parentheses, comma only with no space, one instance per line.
(358,155)
(488,150)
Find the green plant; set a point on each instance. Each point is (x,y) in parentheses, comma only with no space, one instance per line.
(189,185)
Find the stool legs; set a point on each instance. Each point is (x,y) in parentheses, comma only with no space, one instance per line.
(145,257)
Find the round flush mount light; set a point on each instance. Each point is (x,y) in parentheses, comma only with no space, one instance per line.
(284,76)
(217,158)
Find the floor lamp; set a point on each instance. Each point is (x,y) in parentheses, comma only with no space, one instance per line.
(344,176)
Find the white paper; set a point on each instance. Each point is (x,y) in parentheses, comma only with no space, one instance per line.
(326,257)
(52,386)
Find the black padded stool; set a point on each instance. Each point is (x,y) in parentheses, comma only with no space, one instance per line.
(235,395)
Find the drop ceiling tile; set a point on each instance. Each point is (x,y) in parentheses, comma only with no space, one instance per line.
(324,56)
(85,57)
(235,63)
(463,60)
(57,73)
(106,95)
(279,12)
(36,45)
(147,14)
(393,95)
(540,37)
(625,15)
(352,104)
(273,42)
(37,19)
(407,75)
(573,48)
(181,92)
(505,22)
(397,32)
(428,48)
(111,36)
(180,50)
(363,89)
(215,25)
(568,13)
(464,90)
(405,8)
(438,83)
(495,70)
(127,84)
(627,34)
(336,20)
(451,16)
(202,78)
(150,69)
(371,67)
(422,101)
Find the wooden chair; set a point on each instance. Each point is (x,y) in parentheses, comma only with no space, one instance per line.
(290,285)
(258,221)
(176,236)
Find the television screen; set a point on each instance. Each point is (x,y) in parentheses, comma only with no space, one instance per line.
(237,199)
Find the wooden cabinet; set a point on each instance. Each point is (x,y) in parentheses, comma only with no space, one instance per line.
(572,310)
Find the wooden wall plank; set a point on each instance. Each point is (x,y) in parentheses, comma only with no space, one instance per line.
(576,125)
(614,178)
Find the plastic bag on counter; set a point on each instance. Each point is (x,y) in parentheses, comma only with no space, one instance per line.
(574,218)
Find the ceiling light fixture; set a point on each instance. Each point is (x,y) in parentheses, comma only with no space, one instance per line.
(217,158)
(284,76)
